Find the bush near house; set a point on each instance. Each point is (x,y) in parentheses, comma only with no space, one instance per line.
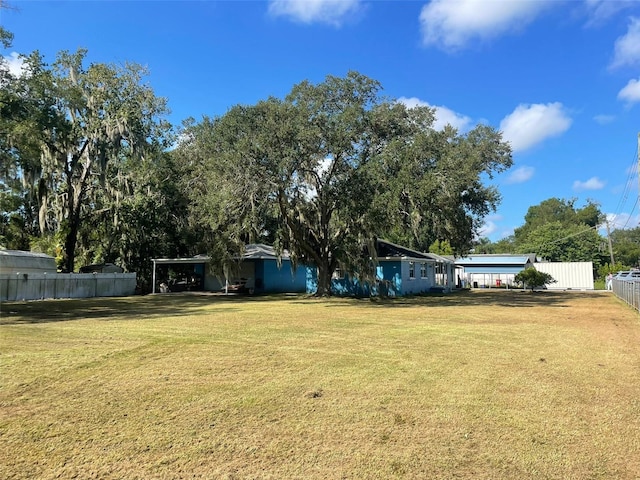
(532,278)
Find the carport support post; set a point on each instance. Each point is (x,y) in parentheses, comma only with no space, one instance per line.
(153,278)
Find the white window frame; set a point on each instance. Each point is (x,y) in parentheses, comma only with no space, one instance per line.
(338,274)
(412,270)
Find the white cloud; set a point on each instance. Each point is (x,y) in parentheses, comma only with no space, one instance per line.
(627,47)
(521,175)
(594,183)
(623,221)
(492,227)
(529,125)
(15,63)
(452,24)
(487,229)
(600,11)
(604,119)
(444,116)
(331,12)
(631,92)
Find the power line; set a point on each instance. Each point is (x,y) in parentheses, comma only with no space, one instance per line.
(632,172)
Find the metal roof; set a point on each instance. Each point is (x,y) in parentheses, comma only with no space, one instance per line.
(259,251)
(252,251)
(388,250)
(491,260)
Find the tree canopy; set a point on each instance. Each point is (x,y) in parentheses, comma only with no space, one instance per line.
(334,166)
(73,135)
(626,246)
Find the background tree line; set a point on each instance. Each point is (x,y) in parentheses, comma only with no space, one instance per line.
(91,172)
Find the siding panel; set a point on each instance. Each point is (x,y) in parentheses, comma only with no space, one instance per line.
(569,275)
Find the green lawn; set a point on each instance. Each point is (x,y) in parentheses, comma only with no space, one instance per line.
(483,384)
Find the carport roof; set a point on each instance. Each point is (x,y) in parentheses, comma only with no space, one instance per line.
(492,260)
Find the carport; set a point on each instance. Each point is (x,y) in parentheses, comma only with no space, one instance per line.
(260,270)
(492,270)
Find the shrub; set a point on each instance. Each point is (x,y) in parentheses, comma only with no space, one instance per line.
(532,278)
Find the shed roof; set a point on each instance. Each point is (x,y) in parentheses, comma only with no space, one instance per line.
(12,261)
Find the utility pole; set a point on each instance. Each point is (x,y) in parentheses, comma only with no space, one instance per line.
(610,246)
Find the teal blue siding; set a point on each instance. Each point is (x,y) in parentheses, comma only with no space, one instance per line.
(390,273)
(259,276)
(351,287)
(389,283)
(311,279)
(271,279)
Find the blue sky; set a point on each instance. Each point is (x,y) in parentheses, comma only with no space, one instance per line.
(561,79)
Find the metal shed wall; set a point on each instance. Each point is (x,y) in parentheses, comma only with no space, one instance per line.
(18,261)
(569,275)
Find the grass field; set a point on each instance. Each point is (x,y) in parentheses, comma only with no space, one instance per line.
(482,385)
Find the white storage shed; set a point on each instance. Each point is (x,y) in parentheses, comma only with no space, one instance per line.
(18,261)
(568,275)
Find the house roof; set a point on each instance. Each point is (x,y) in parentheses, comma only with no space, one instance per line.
(260,251)
(256,251)
(252,251)
(387,250)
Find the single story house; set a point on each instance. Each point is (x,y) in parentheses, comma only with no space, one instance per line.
(258,272)
(399,271)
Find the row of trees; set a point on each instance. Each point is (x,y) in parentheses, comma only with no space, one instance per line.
(91,171)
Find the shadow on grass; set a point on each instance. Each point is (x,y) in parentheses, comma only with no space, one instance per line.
(168,305)
(118,308)
(491,297)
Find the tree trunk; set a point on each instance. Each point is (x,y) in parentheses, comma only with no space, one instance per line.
(71,238)
(70,246)
(324,280)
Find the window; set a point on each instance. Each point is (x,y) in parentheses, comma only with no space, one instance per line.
(423,270)
(412,270)
(337,274)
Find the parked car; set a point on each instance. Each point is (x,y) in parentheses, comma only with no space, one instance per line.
(101,268)
(628,275)
(242,285)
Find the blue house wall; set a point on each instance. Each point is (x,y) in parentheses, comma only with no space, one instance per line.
(351,287)
(390,278)
(271,279)
(389,282)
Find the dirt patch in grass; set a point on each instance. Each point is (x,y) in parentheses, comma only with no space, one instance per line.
(484,384)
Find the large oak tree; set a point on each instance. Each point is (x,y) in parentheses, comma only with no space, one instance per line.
(333,166)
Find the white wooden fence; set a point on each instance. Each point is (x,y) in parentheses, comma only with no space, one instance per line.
(38,286)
